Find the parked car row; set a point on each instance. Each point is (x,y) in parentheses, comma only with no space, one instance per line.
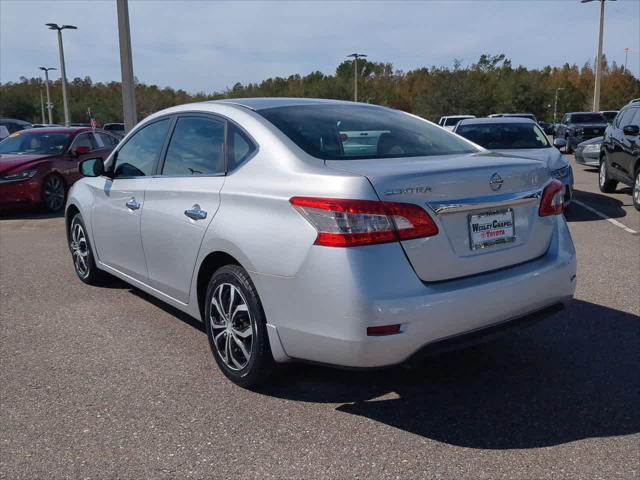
(620,152)
(616,153)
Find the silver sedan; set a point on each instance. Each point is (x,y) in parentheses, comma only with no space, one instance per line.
(334,232)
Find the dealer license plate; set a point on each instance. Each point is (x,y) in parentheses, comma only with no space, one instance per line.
(491,228)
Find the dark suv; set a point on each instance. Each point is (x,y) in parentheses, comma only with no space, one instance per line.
(576,127)
(620,152)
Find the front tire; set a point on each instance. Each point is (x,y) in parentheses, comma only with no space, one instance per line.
(53,193)
(237,327)
(606,184)
(83,260)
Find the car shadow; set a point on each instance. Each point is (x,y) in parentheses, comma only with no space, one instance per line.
(188,319)
(570,377)
(28,213)
(612,207)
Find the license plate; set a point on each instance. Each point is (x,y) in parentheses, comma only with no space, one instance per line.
(491,228)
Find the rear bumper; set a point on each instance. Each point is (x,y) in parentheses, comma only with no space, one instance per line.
(21,193)
(323,313)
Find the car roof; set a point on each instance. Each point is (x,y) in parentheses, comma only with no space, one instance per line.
(59,130)
(458,116)
(491,120)
(572,113)
(260,103)
(14,120)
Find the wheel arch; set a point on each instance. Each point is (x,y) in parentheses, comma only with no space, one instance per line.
(212,262)
(70,212)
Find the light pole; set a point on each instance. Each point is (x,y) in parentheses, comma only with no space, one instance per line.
(355,57)
(555,105)
(626,53)
(63,74)
(42,105)
(46,86)
(126,66)
(596,91)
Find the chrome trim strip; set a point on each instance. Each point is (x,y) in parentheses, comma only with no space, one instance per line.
(480,203)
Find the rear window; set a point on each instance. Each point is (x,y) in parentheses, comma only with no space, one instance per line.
(587,118)
(505,136)
(343,132)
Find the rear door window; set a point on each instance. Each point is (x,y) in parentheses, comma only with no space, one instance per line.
(196,147)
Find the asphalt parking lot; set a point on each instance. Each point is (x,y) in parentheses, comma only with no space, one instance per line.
(110,383)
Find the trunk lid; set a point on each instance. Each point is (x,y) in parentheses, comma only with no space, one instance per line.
(456,191)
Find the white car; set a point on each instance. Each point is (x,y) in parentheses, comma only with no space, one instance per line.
(451,121)
(519,136)
(252,216)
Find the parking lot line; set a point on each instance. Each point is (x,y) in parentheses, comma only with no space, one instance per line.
(606,217)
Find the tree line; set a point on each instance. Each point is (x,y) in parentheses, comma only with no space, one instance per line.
(490,85)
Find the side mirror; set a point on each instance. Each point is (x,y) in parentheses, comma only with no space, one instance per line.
(80,150)
(559,142)
(92,167)
(631,130)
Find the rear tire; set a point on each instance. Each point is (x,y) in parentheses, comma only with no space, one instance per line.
(606,184)
(237,327)
(83,260)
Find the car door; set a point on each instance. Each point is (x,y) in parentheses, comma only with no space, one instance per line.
(629,147)
(182,200)
(118,204)
(621,143)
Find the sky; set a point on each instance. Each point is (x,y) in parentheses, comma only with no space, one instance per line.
(207,45)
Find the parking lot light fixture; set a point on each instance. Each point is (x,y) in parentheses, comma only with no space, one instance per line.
(555,105)
(63,74)
(596,90)
(46,86)
(355,57)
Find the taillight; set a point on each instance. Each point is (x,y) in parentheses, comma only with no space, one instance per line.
(552,202)
(347,223)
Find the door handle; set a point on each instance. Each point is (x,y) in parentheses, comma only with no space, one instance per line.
(195,213)
(133,204)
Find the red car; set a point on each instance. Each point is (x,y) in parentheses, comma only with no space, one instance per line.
(38,165)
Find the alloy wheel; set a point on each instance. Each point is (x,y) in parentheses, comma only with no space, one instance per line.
(602,175)
(79,249)
(53,193)
(636,189)
(232,327)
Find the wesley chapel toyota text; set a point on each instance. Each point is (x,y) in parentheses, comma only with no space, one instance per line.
(334,232)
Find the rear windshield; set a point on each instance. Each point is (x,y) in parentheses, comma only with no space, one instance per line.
(505,136)
(29,142)
(342,132)
(587,118)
